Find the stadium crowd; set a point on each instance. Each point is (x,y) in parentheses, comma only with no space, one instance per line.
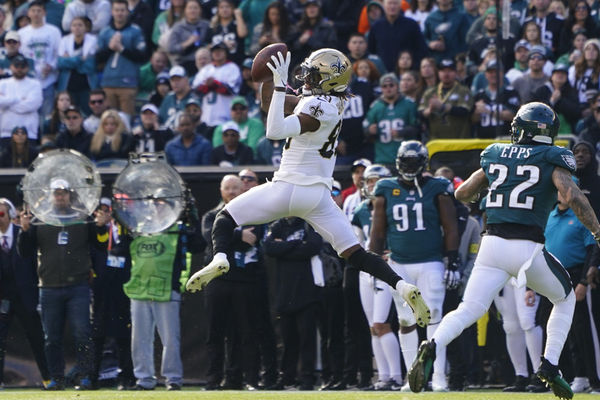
(107,78)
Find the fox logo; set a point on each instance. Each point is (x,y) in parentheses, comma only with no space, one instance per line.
(150,249)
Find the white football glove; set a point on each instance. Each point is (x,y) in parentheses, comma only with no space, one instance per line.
(452,279)
(280,67)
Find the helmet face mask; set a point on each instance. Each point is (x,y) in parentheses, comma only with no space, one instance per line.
(534,123)
(411,159)
(326,71)
(373,173)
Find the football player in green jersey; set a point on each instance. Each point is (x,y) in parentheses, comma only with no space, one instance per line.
(375,295)
(523,179)
(408,212)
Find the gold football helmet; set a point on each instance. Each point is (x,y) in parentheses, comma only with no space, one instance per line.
(326,71)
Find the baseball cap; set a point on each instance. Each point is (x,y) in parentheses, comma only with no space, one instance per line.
(105,201)
(484,53)
(73,108)
(177,70)
(163,78)
(247,63)
(219,45)
(19,128)
(492,64)
(12,35)
(193,101)
(490,10)
(595,42)
(239,100)
(447,63)
(361,162)
(521,43)
(541,50)
(315,2)
(560,67)
(388,78)
(19,60)
(230,126)
(59,183)
(150,107)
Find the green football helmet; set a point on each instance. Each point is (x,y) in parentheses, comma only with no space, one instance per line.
(534,123)
(411,159)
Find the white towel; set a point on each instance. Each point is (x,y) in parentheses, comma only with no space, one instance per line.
(317,271)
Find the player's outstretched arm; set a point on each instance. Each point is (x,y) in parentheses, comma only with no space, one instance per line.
(576,200)
(378,226)
(266,93)
(469,189)
(278,125)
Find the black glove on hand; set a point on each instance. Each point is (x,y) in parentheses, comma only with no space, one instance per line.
(452,275)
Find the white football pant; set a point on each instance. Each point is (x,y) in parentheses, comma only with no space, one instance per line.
(275,200)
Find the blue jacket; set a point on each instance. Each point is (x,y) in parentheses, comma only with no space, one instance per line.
(76,63)
(197,154)
(406,35)
(566,238)
(124,73)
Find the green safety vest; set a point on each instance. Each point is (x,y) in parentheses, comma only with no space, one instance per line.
(152,262)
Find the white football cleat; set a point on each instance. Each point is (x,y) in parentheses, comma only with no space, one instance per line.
(580,385)
(412,295)
(217,267)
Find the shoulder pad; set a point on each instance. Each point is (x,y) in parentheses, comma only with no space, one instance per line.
(319,108)
(561,157)
(385,184)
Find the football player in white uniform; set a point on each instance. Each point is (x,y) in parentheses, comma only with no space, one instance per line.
(302,185)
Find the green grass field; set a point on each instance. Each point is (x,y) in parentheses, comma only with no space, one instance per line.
(198,394)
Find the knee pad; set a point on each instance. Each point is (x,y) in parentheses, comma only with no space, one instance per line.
(527,324)
(510,326)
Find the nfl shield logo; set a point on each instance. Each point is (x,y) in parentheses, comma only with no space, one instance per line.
(569,160)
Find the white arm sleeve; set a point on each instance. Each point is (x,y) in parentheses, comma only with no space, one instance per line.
(278,126)
(360,234)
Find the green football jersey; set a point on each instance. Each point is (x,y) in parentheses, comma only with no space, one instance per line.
(414,233)
(521,190)
(390,118)
(362,218)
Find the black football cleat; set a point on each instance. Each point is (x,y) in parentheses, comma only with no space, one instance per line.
(418,376)
(551,376)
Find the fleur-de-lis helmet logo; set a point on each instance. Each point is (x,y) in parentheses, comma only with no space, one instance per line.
(338,67)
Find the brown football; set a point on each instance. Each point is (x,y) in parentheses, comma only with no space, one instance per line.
(260,72)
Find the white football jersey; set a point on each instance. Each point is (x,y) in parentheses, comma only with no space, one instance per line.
(310,158)
(216,107)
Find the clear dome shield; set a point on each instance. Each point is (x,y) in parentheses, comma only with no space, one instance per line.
(62,187)
(148,195)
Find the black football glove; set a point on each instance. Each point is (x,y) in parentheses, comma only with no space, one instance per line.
(452,276)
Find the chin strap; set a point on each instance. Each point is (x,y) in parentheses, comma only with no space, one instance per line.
(418,187)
